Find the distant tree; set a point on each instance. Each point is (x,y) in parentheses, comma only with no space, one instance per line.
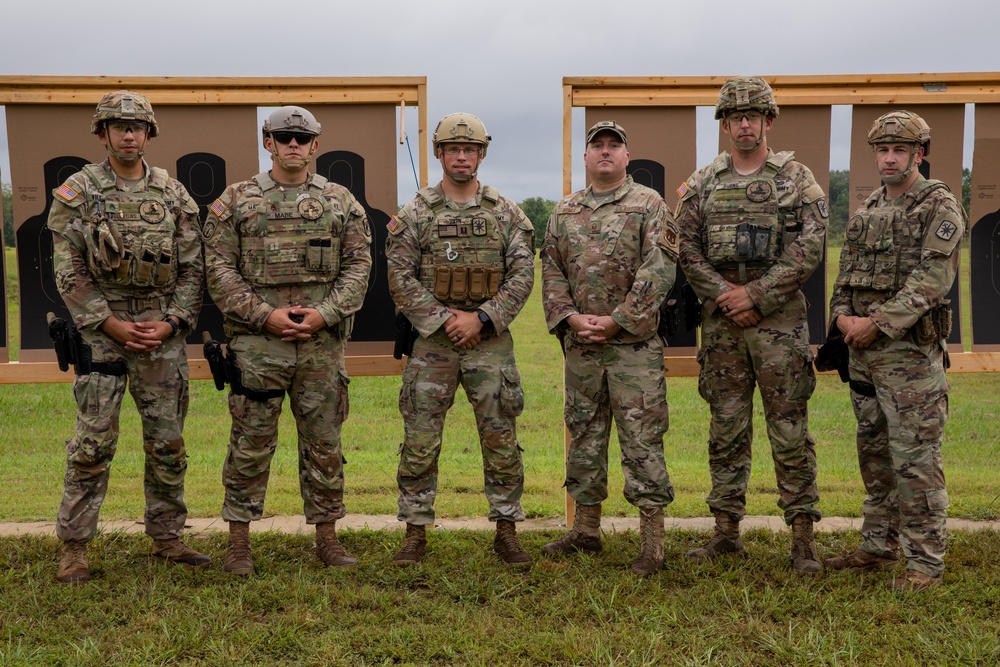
(966,188)
(839,201)
(8,216)
(538,211)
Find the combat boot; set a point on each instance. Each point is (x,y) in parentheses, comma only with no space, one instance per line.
(585,535)
(414,546)
(329,549)
(175,551)
(911,580)
(73,566)
(506,546)
(725,540)
(860,560)
(803,553)
(650,558)
(238,560)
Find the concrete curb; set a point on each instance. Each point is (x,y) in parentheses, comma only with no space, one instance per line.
(297,524)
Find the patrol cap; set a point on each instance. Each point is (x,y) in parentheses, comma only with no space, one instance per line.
(607,126)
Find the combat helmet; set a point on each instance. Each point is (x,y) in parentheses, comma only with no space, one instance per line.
(900,127)
(461,128)
(746,93)
(291,119)
(124,105)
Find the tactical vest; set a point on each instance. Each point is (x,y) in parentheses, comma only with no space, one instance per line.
(145,221)
(742,223)
(289,238)
(882,244)
(463,263)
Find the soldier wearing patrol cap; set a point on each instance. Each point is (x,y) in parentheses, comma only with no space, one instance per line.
(461,267)
(127,262)
(753,226)
(900,258)
(609,258)
(287,256)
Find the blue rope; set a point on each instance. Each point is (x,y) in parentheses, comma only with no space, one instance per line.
(416,181)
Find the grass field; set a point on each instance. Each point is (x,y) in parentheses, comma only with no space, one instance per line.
(462,607)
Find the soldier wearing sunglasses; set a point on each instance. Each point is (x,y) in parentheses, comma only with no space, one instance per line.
(287,257)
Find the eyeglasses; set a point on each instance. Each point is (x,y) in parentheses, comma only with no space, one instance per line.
(736,117)
(137,129)
(456,150)
(301,138)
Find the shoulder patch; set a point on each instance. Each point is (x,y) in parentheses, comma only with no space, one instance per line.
(208,228)
(946,230)
(686,191)
(217,208)
(683,189)
(66,193)
(395,225)
(823,210)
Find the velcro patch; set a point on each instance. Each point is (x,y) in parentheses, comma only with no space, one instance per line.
(946,230)
(218,208)
(630,209)
(682,190)
(67,193)
(395,225)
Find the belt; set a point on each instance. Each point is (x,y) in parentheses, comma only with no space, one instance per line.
(137,305)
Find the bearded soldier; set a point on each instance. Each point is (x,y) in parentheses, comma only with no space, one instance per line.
(889,304)
(288,259)
(753,225)
(605,274)
(461,267)
(127,262)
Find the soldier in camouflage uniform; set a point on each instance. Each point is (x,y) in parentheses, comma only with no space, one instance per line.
(753,225)
(609,259)
(461,267)
(127,262)
(287,255)
(889,304)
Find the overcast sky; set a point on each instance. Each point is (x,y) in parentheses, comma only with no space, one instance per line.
(503,61)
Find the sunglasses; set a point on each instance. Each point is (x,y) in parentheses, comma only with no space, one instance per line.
(301,138)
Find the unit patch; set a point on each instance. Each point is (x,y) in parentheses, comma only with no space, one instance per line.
(311,208)
(152,211)
(758,191)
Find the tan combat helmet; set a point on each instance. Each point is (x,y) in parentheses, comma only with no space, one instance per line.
(124,105)
(901,127)
(461,128)
(291,119)
(746,93)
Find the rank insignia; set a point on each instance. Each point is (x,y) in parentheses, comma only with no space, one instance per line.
(310,208)
(66,192)
(759,191)
(152,211)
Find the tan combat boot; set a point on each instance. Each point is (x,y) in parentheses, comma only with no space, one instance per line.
(175,551)
(650,558)
(329,549)
(414,546)
(73,566)
(238,560)
(506,546)
(860,560)
(911,580)
(584,536)
(725,540)
(803,553)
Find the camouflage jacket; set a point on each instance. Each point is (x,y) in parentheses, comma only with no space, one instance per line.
(801,206)
(411,235)
(245,305)
(71,219)
(617,257)
(921,239)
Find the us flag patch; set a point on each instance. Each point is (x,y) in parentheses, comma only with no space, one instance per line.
(217,207)
(681,191)
(67,193)
(394,224)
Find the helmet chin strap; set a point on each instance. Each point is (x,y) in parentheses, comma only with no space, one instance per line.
(127,158)
(462,178)
(905,174)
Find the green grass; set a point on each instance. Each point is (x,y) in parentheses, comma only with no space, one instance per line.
(38,419)
(461,607)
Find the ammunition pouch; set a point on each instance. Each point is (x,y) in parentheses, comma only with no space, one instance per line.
(933,326)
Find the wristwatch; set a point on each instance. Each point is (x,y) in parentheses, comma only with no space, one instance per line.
(174,328)
(485,319)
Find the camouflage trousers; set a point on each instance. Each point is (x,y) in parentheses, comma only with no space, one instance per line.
(158,383)
(775,357)
(899,450)
(625,382)
(315,378)
(492,384)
